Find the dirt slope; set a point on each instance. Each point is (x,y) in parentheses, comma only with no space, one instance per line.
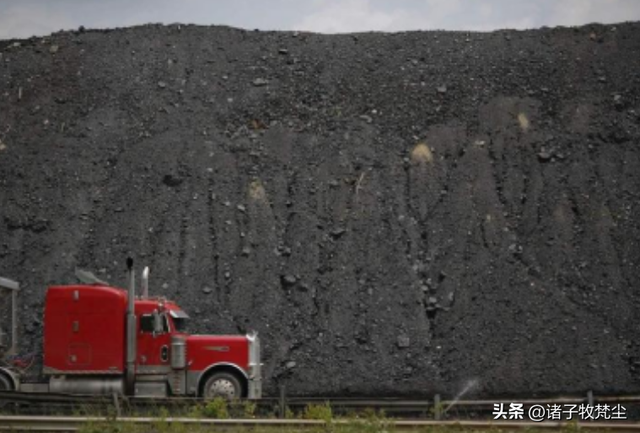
(394,213)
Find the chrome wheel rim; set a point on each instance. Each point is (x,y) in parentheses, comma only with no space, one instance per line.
(222,388)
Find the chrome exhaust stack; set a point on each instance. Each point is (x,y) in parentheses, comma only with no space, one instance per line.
(131,329)
(145,283)
(255,366)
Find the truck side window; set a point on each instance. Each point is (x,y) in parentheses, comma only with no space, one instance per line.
(146,323)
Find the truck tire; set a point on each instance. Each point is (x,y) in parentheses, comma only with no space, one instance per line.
(222,384)
(6,384)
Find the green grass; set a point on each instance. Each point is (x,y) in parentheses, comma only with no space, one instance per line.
(367,421)
(353,426)
(361,421)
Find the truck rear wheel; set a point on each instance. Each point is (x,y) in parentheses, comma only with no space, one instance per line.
(6,384)
(222,384)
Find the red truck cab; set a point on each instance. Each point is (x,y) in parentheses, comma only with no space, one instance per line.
(87,348)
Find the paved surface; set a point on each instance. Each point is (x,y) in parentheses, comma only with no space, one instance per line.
(401,213)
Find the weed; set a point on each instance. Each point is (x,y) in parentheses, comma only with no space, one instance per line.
(242,409)
(217,408)
(369,421)
(322,412)
(318,411)
(288,413)
(249,409)
(437,410)
(195,411)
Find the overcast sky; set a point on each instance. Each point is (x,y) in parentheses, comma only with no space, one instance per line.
(25,18)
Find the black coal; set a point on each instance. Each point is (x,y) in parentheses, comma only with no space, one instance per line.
(394,213)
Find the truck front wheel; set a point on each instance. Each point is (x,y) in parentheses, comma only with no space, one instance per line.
(222,384)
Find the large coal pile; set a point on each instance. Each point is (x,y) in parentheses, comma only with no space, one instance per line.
(394,213)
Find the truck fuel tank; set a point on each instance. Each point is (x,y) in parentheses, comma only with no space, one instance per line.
(178,352)
(86,385)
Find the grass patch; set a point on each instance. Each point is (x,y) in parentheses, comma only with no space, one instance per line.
(321,412)
(366,421)
(351,426)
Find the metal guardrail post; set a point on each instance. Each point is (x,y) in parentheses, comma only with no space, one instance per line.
(283,402)
(116,403)
(437,407)
(590,400)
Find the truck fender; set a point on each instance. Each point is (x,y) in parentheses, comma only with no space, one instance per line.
(13,376)
(206,371)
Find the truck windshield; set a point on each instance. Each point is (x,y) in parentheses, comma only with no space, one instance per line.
(180,320)
(180,324)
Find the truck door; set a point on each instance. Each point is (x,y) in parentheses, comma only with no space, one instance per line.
(153,344)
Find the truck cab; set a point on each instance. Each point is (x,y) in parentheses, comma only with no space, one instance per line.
(201,365)
(100,340)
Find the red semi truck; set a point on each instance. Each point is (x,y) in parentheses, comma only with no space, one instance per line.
(103,340)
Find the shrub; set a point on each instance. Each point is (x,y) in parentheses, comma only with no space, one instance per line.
(242,409)
(318,411)
(216,408)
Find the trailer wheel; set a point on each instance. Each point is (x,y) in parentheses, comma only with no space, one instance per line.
(6,384)
(222,384)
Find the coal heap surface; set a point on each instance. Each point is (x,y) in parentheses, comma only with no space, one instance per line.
(396,214)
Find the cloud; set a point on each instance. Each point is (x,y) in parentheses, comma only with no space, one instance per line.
(24,18)
(578,12)
(349,16)
(335,16)
(24,21)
